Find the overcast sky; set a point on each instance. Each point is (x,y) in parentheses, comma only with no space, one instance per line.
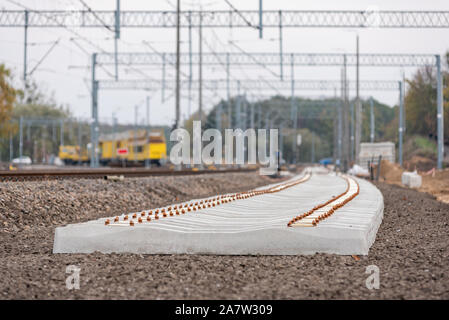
(64,73)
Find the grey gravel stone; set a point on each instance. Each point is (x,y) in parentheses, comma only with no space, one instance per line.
(413,263)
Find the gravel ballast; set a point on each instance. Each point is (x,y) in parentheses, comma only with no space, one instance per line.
(411,249)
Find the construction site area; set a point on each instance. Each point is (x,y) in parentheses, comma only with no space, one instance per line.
(224,150)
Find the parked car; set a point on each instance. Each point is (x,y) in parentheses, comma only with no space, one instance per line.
(325,161)
(22,160)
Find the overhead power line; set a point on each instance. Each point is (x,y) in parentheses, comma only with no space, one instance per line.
(228,18)
(254,59)
(51,19)
(96,16)
(253,84)
(44,56)
(269,58)
(241,15)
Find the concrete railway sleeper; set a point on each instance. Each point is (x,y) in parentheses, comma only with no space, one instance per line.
(193,206)
(257,224)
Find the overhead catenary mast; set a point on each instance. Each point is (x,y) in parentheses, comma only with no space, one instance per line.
(178,63)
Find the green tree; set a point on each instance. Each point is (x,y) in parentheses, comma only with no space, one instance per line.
(8,95)
(38,140)
(421,103)
(314,116)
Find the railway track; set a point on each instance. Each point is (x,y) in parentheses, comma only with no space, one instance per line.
(326,209)
(343,214)
(26,175)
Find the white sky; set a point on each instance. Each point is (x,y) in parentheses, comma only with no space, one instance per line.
(70,85)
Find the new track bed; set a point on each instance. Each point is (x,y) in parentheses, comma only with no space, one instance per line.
(311,212)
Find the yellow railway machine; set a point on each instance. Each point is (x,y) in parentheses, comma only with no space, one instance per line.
(134,146)
(73,154)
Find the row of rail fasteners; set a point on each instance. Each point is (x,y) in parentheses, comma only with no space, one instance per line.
(328,208)
(194,206)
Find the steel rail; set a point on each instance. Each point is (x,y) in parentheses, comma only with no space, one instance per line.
(316,214)
(25,175)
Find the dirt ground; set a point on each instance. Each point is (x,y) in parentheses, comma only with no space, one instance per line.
(437,184)
(434,182)
(419,163)
(411,250)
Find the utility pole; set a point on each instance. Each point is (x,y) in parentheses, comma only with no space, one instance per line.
(147,159)
(163,78)
(335,137)
(94,121)
(44,145)
(200,84)
(114,135)
(371,119)
(61,133)
(401,114)
(267,122)
(79,142)
(190,64)
(25,48)
(178,63)
(281,140)
(340,122)
(294,111)
(238,115)
(237,107)
(352,132)
(260,20)
(281,54)
(116,37)
(403,89)
(53,131)
(244,113)
(297,117)
(358,110)
(218,117)
(440,114)
(20,137)
(135,132)
(252,106)
(228,92)
(313,148)
(200,76)
(346,138)
(70,128)
(11,151)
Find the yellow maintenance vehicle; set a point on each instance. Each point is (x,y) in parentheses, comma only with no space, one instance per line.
(128,147)
(133,146)
(73,154)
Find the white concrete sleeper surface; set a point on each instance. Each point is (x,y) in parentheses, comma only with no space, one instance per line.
(252,226)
